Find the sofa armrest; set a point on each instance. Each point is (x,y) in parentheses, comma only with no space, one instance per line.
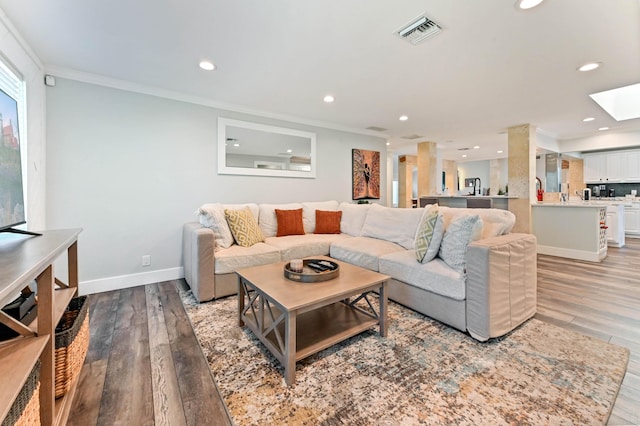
(197,251)
(501,284)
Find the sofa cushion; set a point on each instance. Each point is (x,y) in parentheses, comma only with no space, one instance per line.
(309,213)
(268,221)
(289,222)
(429,234)
(237,257)
(495,222)
(244,227)
(255,210)
(435,276)
(353,216)
(301,246)
(461,231)
(363,251)
(327,222)
(397,225)
(212,216)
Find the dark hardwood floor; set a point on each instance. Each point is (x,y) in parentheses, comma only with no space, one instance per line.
(145,367)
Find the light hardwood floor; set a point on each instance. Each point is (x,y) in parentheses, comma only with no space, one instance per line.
(145,367)
(600,300)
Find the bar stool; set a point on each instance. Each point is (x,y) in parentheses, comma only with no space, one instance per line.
(427,200)
(479,203)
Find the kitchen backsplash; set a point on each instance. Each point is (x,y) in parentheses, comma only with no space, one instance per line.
(621,189)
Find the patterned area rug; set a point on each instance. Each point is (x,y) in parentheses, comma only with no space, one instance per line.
(424,372)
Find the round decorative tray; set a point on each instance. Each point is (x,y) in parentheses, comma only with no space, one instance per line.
(312,275)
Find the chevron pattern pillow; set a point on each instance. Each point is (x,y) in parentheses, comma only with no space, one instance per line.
(429,234)
(244,227)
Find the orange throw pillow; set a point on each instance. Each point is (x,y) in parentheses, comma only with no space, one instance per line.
(289,222)
(328,222)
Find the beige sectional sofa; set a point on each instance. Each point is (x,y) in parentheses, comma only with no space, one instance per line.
(484,285)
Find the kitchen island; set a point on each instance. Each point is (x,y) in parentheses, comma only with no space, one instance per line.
(499,201)
(572,230)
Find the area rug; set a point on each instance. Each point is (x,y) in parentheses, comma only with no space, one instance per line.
(423,372)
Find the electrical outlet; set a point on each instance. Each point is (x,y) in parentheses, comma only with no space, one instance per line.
(146,260)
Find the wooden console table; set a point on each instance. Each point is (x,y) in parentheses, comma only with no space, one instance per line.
(21,261)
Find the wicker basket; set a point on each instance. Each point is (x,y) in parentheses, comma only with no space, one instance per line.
(26,407)
(72,342)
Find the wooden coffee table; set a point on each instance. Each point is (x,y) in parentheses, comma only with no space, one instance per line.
(295,320)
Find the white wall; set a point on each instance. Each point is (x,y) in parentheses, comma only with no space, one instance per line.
(602,141)
(131,168)
(474,169)
(19,56)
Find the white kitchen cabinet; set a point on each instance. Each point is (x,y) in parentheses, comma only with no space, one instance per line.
(633,166)
(612,167)
(632,221)
(615,225)
(595,166)
(616,166)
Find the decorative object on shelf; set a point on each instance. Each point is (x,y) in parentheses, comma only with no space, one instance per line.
(22,309)
(296,265)
(72,342)
(365,174)
(313,271)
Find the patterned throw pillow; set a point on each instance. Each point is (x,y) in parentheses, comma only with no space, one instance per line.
(289,222)
(429,234)
(328,222)
(244,227)
(460,232)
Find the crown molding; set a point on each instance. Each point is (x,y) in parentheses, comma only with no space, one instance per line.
(129,86)
(20,40)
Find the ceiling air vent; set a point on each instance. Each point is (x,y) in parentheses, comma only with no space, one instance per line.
(410,137)
(377,129)
(418,30)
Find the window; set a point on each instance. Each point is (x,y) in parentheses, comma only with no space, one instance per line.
(13,85)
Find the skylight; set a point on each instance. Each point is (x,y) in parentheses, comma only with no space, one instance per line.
(622,103)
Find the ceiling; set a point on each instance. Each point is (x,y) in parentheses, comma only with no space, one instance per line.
(491,67)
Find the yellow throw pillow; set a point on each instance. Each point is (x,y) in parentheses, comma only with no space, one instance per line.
(244,227)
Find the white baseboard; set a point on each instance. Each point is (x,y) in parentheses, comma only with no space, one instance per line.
(126,281)
(572,253)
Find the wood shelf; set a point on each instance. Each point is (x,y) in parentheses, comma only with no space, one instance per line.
(17,358)
(22,260)
(317,329)
(61,300)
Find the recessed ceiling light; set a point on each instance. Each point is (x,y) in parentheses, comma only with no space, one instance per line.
(589,66)
(464,155)
(476,147)
(388,143)
(527,4)
(289,151)
(236,145)
(500,151)
(603,128)
(207,66)
(588,119)
(328,99)
(403,118)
